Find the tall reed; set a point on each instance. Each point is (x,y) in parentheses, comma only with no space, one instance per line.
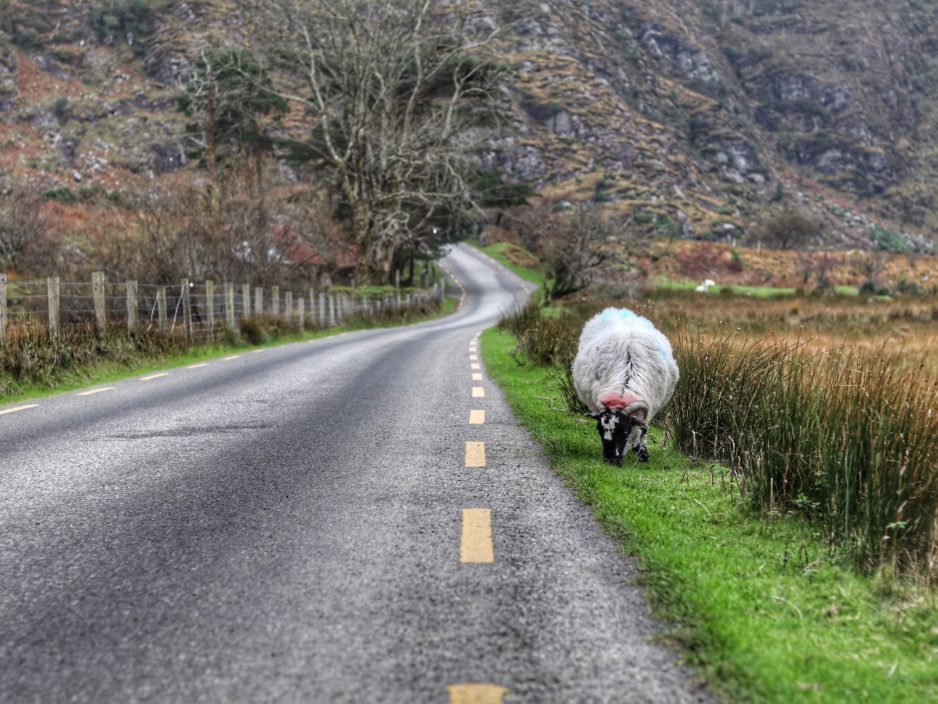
(849,438)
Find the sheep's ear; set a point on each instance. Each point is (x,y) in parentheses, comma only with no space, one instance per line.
(594,416)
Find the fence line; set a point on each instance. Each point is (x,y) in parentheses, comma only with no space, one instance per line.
(197,310)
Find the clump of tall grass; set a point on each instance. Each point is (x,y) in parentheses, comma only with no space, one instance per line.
(544,341)
(520,318)
(849,438)
(33,357)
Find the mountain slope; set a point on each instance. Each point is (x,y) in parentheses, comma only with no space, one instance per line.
(690,119)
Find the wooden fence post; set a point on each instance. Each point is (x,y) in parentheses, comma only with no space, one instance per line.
(397,278)
(229,306)
(131,287)
(3,306)
(275,302)
(161,308)
(210,307)
(288,307)
(246,300)
(321,318)
(97,293)
(301,313)
(258,300)
(52,288)
(186,308)
(331,310)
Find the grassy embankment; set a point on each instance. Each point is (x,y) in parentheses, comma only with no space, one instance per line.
(45,370)
(763,608)
(514,258)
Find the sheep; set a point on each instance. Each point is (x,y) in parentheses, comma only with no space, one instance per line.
(624,372)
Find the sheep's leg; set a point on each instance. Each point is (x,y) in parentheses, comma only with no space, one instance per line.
(641,449)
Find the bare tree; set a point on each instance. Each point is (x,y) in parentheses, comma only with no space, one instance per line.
(397,91)
(871,266)
(24,230)
(571,243)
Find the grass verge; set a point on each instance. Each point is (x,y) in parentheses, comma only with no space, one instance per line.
(510,256)
(761,609)
(108,371)
(750,291)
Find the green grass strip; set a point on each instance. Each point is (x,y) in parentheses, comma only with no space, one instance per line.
(748,291)
(497,251)
(761,608)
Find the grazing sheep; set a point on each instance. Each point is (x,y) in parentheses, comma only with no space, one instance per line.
(624,371)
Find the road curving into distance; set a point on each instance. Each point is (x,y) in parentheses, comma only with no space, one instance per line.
(355,519)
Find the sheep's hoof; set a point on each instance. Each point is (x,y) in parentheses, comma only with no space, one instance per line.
(615,463)
(643,455)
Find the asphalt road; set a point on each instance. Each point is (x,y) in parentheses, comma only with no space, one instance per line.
(288,526)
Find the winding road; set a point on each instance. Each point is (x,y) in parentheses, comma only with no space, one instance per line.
(318,522)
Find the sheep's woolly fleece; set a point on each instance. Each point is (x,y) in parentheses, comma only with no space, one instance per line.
(624,363)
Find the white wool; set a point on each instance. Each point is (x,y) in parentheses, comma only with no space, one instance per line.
(621,353)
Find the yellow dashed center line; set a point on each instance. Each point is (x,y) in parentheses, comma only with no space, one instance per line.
(475,454)
(477,376)
(197,366)
(92,392)
(256,351)
(228,359)
(16,409)
(478,693)
(476,417)
(473,357)
(475,545)
(478,392)
(154,376)
(475,365)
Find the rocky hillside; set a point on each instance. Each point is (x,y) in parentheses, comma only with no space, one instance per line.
(690,118)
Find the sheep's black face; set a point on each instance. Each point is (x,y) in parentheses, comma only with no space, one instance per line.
(615,430)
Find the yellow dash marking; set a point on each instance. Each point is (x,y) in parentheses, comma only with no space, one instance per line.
(92,392)
(197,366)
(228,359)
(475,545)
(475,454)
(154,376)
(475,365)
(473,357)
(476,417)
(256,351)
(476,694)
(478,392)
(477,376)
(18,408)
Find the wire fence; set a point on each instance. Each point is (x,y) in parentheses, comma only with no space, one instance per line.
(198,310)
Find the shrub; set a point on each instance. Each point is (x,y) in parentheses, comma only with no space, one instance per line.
(252,331)
(550,342)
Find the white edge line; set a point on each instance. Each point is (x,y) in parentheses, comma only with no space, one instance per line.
(92,392)
(19,408)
